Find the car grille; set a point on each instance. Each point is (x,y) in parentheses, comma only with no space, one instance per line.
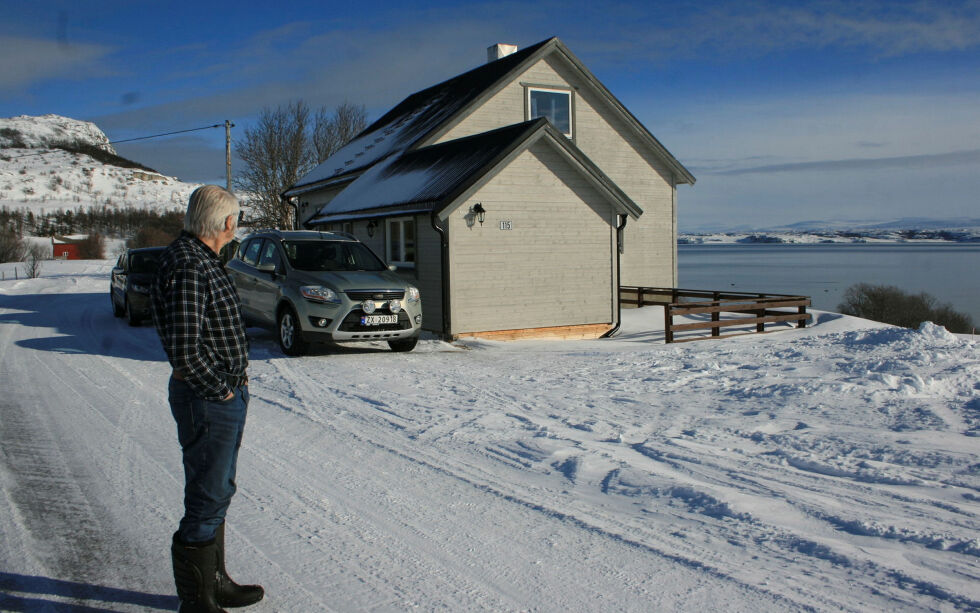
(358,294)
(352,323)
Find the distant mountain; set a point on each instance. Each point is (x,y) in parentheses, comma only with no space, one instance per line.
(51,162)
(904,223)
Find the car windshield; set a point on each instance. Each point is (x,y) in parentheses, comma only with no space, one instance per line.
(145,263)
(331,255)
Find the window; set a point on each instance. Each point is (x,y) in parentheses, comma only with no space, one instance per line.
(553,104)
(400,242)
(315,255)
(250,251)
(270,255)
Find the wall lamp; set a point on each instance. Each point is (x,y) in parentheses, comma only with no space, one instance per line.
(371,227)
(480,212)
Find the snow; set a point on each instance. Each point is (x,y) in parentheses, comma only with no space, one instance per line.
(833,468)
(42,179)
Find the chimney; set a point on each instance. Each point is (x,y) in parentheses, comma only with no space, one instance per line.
(495,52)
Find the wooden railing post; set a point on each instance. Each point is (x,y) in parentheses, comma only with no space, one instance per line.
(716,316)
(802,322)
(668,324)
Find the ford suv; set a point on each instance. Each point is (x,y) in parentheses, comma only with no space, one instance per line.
(312,287)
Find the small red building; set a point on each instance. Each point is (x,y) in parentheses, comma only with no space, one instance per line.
(66,248)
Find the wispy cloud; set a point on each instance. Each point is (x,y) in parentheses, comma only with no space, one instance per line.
(897,162)
(29,60)
(719,31)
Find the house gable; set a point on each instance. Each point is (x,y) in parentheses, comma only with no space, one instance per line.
(550,264)
(595,110)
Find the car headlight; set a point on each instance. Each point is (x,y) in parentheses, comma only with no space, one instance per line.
(412,295)
(318,293)
(139,288)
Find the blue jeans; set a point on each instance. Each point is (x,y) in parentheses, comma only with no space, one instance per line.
(210,434)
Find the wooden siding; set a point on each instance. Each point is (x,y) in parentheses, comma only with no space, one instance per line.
(553,268)
(650,256)
(312,202)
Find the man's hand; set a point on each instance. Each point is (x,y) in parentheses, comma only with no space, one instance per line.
(229,396)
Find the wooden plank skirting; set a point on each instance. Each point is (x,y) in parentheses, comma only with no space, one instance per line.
(581,332)
(747,308)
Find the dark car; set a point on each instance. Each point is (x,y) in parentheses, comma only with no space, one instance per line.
(129,288)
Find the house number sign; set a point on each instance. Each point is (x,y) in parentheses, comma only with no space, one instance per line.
(506,225)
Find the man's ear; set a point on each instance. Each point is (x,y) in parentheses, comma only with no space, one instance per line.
(230,223)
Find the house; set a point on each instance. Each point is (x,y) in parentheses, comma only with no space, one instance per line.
(518,196)
(66,247)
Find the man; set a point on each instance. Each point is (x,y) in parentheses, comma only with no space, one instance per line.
(197,314)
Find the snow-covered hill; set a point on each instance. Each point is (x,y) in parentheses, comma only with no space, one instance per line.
(51,162)
(834,468)
(902,230)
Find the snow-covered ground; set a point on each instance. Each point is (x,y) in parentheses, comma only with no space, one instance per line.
(835,468)
(38,176)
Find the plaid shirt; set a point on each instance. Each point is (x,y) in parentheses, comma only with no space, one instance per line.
(198,316)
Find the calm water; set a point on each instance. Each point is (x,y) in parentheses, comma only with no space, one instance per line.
(949,272)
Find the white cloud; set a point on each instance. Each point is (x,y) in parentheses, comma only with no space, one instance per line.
(26,61)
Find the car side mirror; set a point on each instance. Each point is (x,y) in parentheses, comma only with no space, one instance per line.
(270,268)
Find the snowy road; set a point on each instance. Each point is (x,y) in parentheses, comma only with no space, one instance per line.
(835,468)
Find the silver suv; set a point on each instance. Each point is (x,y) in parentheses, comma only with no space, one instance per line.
(322,287)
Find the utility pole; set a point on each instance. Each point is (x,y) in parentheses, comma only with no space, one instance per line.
(228,127)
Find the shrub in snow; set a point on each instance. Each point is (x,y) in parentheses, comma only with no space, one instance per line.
(891,305)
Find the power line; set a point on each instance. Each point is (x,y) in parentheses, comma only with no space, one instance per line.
(217,125)
(127,140)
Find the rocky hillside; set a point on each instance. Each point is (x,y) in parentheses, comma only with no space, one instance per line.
(52,162)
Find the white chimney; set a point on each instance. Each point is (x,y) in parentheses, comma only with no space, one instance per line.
(495,52)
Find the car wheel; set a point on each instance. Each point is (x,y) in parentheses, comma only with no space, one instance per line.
(290,336)
(116,310)
(405,344)
(131,317)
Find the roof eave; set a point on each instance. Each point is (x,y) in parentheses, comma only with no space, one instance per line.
(682,175)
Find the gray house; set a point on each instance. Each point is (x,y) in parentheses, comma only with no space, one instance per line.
(518,196)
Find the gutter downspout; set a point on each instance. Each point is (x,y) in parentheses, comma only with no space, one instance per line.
(619,253)
(444,265)
(291,202)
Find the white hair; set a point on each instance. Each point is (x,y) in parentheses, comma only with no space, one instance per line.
(207,210)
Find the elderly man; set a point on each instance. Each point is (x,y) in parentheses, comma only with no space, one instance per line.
(198,317)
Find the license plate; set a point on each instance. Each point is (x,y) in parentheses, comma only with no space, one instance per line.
(377,320)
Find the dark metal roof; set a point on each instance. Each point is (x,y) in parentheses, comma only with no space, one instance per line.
(432,177)
(413,118)
(431,174)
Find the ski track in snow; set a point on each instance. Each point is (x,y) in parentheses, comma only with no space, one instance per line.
(833,468)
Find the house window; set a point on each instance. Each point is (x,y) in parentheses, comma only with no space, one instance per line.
(400,241)
(554,104)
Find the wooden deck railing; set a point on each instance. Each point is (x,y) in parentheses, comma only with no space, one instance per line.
(747,308)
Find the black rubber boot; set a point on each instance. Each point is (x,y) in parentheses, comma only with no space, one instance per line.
(196,576)
(227,592)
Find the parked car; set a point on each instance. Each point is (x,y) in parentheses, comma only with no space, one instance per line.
(129,287)
(314,287)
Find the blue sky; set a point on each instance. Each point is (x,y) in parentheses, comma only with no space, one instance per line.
(784,111)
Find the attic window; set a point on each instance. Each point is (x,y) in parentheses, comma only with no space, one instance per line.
(553,104)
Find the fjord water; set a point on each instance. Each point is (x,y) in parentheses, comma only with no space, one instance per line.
(948,271)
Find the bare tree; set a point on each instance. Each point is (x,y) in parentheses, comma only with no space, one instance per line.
(276,152)
(332,131)
(32,261)
(285,144)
